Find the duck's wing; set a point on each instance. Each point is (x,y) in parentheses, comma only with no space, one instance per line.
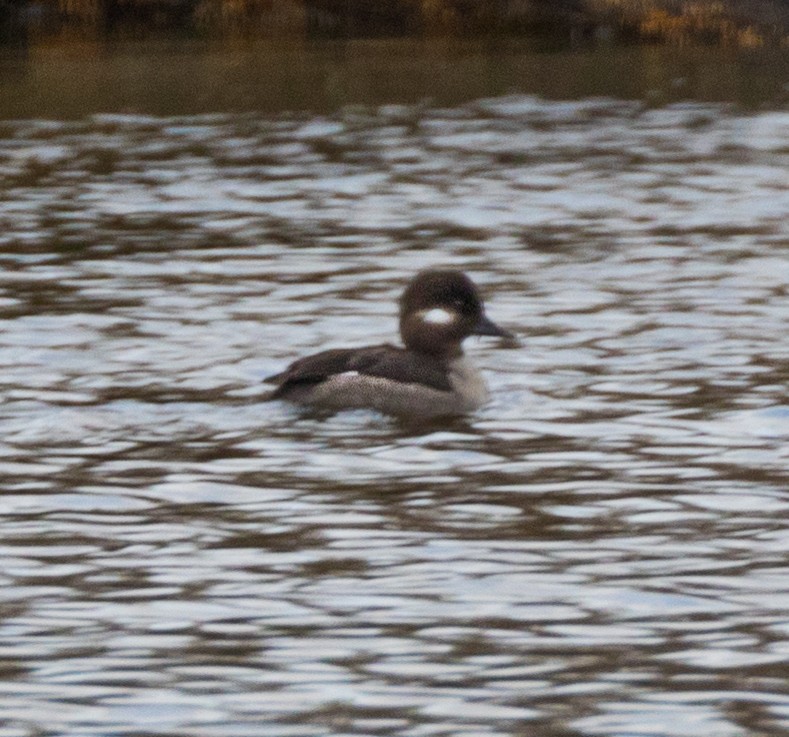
(315,368)
(384,361)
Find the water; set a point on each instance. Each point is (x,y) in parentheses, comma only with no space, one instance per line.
(599,551)
(168,78)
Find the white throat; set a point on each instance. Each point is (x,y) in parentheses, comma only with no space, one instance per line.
(467,382)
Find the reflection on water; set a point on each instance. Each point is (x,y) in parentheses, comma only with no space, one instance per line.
(188,77)
(601,551)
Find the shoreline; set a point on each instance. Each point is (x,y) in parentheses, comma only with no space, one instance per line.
(727,23)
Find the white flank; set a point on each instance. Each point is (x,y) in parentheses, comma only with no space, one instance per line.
(439,316)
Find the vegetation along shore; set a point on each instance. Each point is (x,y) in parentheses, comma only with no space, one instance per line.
(737,23)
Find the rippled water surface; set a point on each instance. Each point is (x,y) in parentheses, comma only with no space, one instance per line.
(600,551)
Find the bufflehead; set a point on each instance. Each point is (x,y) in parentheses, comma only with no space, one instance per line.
(430,377)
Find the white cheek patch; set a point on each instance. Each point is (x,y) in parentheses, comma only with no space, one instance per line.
(439,316)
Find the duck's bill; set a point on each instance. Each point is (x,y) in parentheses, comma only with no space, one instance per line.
(486,326)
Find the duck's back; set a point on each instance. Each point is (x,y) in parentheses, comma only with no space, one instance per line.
(386,378)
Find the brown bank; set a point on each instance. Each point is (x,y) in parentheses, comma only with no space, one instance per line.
(739,23)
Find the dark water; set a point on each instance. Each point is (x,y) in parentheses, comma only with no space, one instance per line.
(600,551)
(189,77)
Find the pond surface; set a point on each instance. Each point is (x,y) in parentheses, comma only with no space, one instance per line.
(177,77)
(599,551)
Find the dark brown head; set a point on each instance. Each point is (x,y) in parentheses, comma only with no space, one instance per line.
(439,309)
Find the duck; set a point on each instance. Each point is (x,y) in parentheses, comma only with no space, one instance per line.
(429,376)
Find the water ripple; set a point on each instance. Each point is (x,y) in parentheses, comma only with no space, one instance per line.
(599,551)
